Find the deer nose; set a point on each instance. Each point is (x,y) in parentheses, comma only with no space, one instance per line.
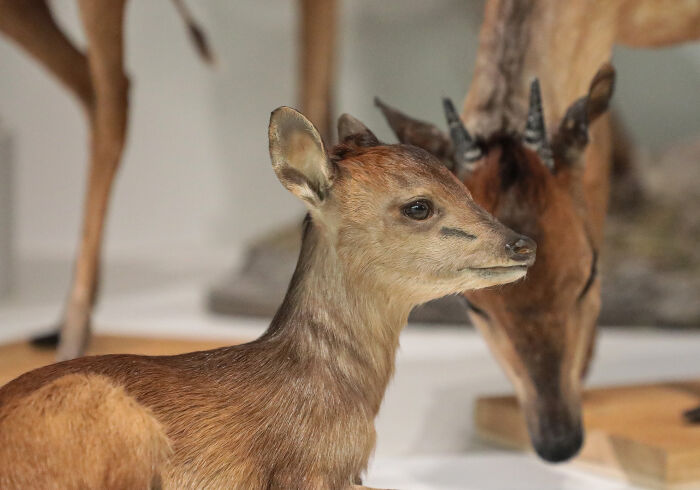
(522,249)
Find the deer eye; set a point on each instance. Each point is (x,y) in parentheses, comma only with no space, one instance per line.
(418,210)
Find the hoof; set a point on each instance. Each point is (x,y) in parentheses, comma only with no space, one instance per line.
(46,341)
(692,415)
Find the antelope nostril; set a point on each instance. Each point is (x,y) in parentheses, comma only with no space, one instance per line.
(522,249)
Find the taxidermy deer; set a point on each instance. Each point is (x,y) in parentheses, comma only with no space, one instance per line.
(388,227)
(97,78)
(551,186)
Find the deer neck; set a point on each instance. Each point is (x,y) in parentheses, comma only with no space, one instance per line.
(338,321)
(561,43)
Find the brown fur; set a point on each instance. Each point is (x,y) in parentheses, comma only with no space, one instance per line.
(541,329)
(295,409)
(85,423)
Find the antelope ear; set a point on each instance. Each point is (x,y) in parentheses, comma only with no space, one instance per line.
(298,156)
(351,130)
(418,133)
(572,136)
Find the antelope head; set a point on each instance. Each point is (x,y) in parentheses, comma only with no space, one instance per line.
(540,329)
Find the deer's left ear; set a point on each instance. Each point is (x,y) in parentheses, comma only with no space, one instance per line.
(572,135)
(352,131)
(298,156)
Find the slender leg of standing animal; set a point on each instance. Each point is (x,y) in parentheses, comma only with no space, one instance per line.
(101,87)
(317,26)
(103,24)
(31,25)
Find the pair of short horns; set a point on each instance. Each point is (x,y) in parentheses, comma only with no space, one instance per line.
(467,150)
(460,152)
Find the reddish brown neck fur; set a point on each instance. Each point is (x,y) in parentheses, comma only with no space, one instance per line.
(352,328)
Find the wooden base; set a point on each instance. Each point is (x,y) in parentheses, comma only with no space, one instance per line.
(633,432)
(20,357)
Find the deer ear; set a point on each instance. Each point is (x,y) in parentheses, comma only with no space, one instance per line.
(418,133)
(298,156)
(352,131)
(572,136)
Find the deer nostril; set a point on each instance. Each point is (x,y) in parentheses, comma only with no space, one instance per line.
(521,249)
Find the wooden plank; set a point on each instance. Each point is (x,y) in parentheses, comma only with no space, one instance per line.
(20,357)
(633,432)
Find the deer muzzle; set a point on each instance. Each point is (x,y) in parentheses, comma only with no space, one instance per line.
(522,249)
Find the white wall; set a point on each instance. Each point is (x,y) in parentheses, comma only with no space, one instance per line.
(196,171)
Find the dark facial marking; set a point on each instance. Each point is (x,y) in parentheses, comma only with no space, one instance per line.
(591,277)
(456,232)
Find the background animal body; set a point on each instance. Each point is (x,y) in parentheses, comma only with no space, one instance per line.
(542,330)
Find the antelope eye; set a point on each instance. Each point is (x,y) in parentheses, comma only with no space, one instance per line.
(418,210)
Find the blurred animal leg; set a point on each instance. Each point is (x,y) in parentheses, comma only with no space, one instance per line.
(30,24)
(103,23)
(318,26)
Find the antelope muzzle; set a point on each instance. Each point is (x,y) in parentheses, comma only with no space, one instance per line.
(555,427)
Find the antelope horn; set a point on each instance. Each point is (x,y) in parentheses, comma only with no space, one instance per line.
(535,135)
(466,151)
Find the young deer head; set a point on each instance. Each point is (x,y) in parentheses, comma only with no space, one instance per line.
(395,215)
(541,329)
